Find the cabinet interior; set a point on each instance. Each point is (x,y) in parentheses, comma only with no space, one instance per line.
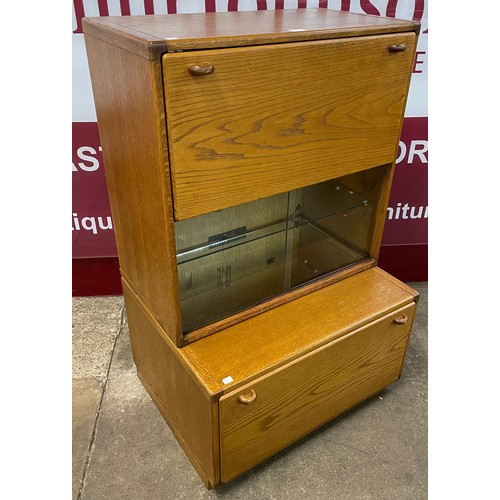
(233,259)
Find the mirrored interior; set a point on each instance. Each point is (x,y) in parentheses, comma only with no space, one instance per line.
(235,258)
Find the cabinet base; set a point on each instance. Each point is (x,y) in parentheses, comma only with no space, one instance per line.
(178,435)
(327,364)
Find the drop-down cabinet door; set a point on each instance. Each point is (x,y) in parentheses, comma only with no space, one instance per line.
(268,414)
(249,122)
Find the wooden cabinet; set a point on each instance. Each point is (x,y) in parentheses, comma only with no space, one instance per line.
(249,158)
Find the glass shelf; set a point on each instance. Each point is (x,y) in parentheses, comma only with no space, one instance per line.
(344,200)
(235,258)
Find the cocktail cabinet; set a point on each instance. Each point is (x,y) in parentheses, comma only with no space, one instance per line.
(249,158)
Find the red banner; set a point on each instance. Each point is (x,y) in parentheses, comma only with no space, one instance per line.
(407,214)
(92,224)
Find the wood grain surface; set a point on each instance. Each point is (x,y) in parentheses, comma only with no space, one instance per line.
(294,400)
(186,406)
(276,118)
(129,103)
(150,36)
(275,337)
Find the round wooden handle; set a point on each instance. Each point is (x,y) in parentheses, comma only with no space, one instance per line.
(401,320)
(202,69)
(246,399)
(399,47)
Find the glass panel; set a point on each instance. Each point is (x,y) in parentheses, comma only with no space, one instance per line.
(317,252)
(230,259)
(235,258)
(229,280)
(208,233)
(331,230)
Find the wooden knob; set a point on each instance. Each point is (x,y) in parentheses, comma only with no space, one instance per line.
(202,69)
(401,320)
(399,47)
(246,399)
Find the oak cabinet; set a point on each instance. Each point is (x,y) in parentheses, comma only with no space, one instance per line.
(249,158)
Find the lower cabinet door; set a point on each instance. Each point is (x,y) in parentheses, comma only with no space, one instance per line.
(270,413)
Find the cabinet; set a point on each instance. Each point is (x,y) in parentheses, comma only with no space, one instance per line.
(249,158)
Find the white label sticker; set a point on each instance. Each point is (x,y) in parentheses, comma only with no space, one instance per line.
(227,380)
(297,29)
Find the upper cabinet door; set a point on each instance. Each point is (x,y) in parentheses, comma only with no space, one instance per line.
(250,122)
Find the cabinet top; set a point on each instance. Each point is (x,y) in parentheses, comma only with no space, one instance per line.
(151,36)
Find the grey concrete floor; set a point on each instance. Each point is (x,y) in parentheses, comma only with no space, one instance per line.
(123,449)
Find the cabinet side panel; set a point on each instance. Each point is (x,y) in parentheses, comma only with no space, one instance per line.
(129,103)
(189,410)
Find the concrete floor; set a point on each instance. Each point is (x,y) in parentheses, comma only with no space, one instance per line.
(123,449)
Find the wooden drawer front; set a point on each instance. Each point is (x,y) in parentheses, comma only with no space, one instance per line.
(275,118)
(299,397)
